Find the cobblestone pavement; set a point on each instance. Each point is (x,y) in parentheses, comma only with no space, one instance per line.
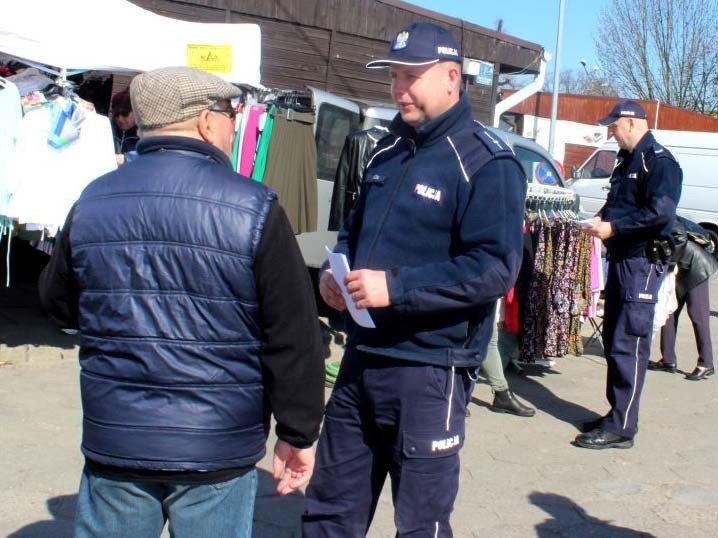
(520,477)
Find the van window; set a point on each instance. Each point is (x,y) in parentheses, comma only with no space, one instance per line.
(333,125)
(600,165)
(537,168)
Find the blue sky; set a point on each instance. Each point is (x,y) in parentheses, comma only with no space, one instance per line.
(535,21)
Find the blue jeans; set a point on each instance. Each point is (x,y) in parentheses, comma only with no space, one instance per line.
(112,508)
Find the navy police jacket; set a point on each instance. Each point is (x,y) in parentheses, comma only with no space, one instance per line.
(641,203)
(441,211)
(159,390)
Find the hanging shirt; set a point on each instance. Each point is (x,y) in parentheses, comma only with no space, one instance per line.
(11,114)
(46,180)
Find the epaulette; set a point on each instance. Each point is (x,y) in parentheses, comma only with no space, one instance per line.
(494,143)
(655,151)
(658,151)
(476,147)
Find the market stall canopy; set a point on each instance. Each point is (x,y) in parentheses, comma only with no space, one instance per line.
(116,35)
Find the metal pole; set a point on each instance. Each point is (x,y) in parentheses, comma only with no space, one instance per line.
(556,74)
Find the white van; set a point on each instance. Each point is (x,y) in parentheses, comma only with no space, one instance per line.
(697,153)
(336,117)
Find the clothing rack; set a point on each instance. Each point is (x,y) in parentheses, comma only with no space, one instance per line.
(297,100)
(556,290)
(537,191)
(541,198)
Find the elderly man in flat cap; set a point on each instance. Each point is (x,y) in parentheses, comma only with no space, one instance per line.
(635,225)
(178,273)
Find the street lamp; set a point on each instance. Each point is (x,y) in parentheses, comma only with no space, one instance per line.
(583,64)
(596,82)
(557,67)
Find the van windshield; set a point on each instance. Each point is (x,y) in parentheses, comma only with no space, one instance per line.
(598,166)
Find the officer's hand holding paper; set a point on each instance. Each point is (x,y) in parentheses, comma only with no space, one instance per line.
(340,268)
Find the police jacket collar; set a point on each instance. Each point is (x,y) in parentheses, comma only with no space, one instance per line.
(643,144)
(183,144)
(435,129)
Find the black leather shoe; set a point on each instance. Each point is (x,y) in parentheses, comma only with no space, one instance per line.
(591,425)
(660,366)
(599,439)
(506,402)
(701,372)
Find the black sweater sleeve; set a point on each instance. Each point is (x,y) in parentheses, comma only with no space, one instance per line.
(59,294)
(291,354)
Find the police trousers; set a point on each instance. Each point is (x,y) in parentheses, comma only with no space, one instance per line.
(388,417)
(631,292)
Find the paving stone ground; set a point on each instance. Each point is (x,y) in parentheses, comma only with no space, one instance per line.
(520,477)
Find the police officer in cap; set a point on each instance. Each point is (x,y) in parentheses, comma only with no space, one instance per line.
(635,224)
(434,240)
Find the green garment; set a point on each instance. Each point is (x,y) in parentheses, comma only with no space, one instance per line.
(260,159)
(235,151)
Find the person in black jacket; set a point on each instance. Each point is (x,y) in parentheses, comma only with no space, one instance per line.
(696,263)
(124,130)
(197,321)
(347,179)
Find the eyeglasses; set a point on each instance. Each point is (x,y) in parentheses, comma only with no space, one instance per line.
(223,107)
(123,113)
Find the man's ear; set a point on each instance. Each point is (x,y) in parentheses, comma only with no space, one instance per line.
(454,77)
(205,126)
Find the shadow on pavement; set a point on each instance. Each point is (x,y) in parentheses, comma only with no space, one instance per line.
(22,321)
(274,516)
(528,386)
(62,510)
(570,519)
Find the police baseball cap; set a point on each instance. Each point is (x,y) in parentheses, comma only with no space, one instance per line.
(624,109)
(421,43)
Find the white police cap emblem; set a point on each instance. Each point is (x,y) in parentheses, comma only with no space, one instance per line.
(400,41)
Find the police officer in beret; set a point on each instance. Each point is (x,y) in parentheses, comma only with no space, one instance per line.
(434,240)
(635,224)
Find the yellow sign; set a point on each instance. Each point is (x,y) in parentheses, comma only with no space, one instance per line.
(212,58)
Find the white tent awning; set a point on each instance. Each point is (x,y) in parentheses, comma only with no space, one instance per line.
(125,37)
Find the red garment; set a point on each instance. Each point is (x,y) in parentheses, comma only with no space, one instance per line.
(511,312)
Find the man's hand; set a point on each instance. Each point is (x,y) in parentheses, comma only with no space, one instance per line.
(368,288)
(330,292)
(293,467)
(600,229)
